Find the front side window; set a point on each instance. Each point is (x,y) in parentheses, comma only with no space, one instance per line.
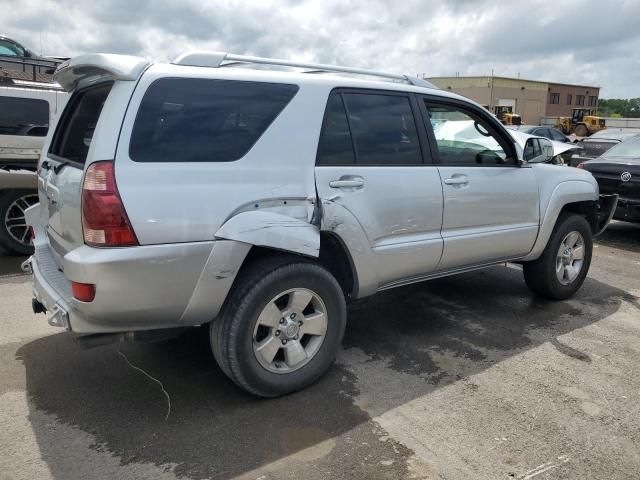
(204,120)
(464,139)
(24,116)
(556,135)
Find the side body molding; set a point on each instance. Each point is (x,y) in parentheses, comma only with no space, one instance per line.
(274,230)
(566,192)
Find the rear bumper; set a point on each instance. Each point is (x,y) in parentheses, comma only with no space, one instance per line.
(137,288)
(605,211)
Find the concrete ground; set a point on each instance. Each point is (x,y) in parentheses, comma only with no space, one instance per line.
(468,377)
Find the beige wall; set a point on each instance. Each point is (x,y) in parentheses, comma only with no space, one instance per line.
(562,109)
(524,92)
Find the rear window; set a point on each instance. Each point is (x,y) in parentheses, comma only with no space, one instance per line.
(75,130)
(24,116)
(204,120)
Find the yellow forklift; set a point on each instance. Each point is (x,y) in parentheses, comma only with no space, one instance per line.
(583,122)
(505,114)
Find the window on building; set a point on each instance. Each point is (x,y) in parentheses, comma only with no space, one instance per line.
(579,99)
(554,98)
(592,101)
(569,99)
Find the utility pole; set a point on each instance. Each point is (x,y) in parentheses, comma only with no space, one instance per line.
(491,94)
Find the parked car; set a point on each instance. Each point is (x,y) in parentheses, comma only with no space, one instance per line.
(618,171)
(24,121)
(542,131)
(258,202)
(601,141)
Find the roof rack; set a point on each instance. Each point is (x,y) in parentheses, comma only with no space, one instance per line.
(218,59)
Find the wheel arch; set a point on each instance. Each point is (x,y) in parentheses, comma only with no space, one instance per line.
(575,196)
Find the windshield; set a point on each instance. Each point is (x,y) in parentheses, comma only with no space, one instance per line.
(628,149)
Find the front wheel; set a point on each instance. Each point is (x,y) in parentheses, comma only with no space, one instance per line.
(581,131)
(281,327)
(564,264)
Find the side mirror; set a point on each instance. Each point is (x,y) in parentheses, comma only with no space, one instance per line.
(538,150)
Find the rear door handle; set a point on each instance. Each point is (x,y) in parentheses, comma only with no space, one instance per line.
(461,180)
(347,182)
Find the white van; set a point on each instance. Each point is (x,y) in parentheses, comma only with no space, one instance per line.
(26,109)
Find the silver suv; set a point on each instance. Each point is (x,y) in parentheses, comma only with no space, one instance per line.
(259,201)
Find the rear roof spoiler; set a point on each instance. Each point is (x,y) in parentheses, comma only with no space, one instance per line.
(116,67)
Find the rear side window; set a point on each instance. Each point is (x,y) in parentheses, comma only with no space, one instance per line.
(24,116)
(383,129)
(335,146)
(75,130)
(204,120)
(368,129)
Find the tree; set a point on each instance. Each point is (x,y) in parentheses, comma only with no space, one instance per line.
(626,108)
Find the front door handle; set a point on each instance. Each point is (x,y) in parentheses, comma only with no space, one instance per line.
(457,180)
(347,182)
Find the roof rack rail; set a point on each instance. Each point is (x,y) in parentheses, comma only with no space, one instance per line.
(218,59)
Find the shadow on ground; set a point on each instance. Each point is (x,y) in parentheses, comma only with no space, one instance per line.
(10,264)
(215,430)
(623,235)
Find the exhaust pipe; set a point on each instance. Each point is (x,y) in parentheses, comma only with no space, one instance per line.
(37,307)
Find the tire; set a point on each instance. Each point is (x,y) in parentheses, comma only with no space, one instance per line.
(12,228)
(581,131)
(240,331)
(542,275)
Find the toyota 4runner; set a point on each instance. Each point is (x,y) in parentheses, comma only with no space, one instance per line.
(258,201)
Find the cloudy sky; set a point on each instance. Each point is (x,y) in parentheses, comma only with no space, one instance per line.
(588,42)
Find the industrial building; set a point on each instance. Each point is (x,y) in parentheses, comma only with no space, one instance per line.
(531,99)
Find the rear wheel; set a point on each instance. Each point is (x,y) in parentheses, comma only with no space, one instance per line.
(581,131)
(281,326)
(14,231)
(564,264)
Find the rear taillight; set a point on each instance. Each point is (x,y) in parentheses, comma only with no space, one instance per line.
(104,219)
(580,165)
(85,292)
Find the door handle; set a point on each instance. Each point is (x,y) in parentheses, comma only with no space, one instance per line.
(343,182)
(462,180)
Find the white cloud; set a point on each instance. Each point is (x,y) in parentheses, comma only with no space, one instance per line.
(587,42)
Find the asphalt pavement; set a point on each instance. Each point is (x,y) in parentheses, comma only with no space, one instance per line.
(467,377)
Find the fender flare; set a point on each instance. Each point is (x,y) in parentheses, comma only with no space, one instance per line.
(572,191)
(274,230)
(340,221)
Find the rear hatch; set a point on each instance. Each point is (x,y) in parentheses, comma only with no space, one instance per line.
(61,170)
(595,147)
(87,131)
